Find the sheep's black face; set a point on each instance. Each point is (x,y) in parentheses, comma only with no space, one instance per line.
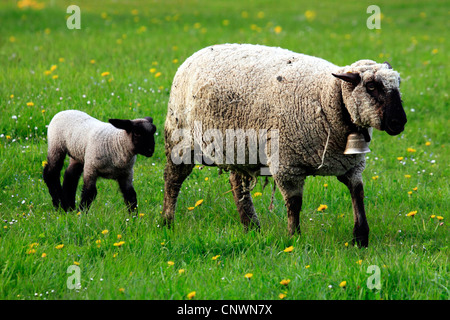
(142,133)
(372,96)
(143,137)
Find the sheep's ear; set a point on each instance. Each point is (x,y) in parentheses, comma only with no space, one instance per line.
(126,125)
(388,64)
(353,78)
(149,119)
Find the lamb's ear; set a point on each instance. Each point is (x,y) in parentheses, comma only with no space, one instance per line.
(388,64)
(126,125)
(353,78)
(150,119)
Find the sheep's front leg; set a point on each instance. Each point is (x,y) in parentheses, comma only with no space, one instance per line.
(129,194)
(361,228)
(71,177)
(89,190)
(291,187)
(243,200)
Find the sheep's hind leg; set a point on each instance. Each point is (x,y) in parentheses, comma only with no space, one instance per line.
(292,191)
(51,175)
(71,178)
(361,227)
(129,194)
(174,175)
(243,200)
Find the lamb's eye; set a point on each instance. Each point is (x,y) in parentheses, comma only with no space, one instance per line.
(370,86)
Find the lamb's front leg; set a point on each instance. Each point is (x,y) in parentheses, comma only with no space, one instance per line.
(128,192)
(89,191)
(354,183)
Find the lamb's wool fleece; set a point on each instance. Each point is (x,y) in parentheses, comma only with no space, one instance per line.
(257,87)
(103,149)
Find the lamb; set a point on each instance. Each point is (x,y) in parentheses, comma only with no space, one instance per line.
(305,105)
(99,149)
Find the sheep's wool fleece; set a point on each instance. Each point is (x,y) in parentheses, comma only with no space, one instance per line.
(243,86)
(103,148)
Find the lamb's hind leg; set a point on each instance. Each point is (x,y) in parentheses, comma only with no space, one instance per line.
(174,176)
(51,175)
(71,177)
(243,200)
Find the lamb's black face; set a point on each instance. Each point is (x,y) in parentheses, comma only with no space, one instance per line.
(143,136)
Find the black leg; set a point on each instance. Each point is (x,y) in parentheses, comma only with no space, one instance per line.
(71,177)
(129,194)
(89,192)
(51,175)
(361,227)
(243,200)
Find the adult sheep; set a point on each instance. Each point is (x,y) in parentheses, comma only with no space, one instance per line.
(308,104)
(100,149)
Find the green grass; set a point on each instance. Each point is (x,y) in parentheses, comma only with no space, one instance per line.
(411,252)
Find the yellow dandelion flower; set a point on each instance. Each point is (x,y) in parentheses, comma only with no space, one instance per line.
(59,246)
(181,271)
(158,74)
(31,251)
(260,15)
(141,214)
(104,74)
(105,231)
(8,137)
(415,189)
(44,163)
(289,249)
(43,111)
(43,255)
(282,296)
(440,217)
(170,263)
(433,216)
(199,202)
(434,51)
(325,185)
(411,150)
(216,257)
(399,158)
(285,282)
(122,290)
(310,15)
(55,76)
(47,72)
(12,39)
(152,70)
(53,67)
(175,61)
(257,194)
(428,143)
(277,29)
(248,275)
(119,236)
(191,208)
(30,104)
(375,177)
(343,284)
(411,214)
(76,263)
(61,59)
(322,207)
(206,179)
(92,61)
(225,22)
(407,176)
(11,96)
(191,295)
(307,266)
(119,244)
(359,262)
(346,244)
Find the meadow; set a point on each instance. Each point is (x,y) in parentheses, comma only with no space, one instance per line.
(121,63)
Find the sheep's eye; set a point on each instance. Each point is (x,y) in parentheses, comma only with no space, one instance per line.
(370,86)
